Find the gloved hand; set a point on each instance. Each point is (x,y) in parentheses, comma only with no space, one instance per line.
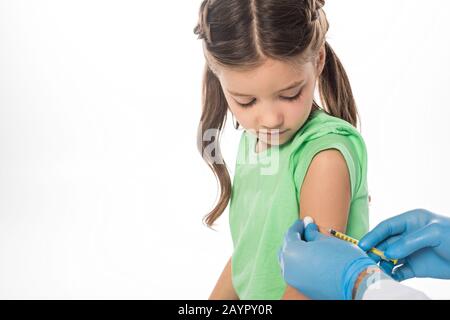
(420,240)
(324,267)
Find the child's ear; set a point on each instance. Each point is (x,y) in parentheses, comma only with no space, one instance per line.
(320,60)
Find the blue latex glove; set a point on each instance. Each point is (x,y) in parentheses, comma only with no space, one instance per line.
(322,268)
(420,240)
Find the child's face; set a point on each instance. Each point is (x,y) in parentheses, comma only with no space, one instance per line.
(277,95)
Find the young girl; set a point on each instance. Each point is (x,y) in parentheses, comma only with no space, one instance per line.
(264,59)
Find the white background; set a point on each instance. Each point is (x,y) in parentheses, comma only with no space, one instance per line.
(102,189)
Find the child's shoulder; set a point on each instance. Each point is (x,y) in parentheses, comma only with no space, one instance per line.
(323,130)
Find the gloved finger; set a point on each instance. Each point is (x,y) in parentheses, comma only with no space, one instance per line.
(387,267)
(386,243)
(427,236)
(312,233)
(388,228)
(381,247)
(295,231)
(403,272)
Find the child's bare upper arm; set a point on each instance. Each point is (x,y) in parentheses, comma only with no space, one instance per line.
(325,194)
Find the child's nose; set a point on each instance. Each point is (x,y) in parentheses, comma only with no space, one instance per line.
(272,120)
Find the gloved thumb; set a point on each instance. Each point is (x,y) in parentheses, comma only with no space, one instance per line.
(295,231)
(312,233)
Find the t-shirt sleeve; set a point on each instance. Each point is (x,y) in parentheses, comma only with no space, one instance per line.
(352,148)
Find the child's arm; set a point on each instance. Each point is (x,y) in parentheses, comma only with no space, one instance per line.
(224,289)
(325,196)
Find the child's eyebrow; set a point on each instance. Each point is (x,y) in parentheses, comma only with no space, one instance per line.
(292,85)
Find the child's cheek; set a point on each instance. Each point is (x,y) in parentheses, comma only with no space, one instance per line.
(299,112)
(242,115)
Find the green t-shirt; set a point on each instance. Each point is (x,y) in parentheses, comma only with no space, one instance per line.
(266,193)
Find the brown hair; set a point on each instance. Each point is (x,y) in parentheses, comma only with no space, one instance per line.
(242,34)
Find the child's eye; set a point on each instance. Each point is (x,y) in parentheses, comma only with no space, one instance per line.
(251,103)
(292,98)
(246,105)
